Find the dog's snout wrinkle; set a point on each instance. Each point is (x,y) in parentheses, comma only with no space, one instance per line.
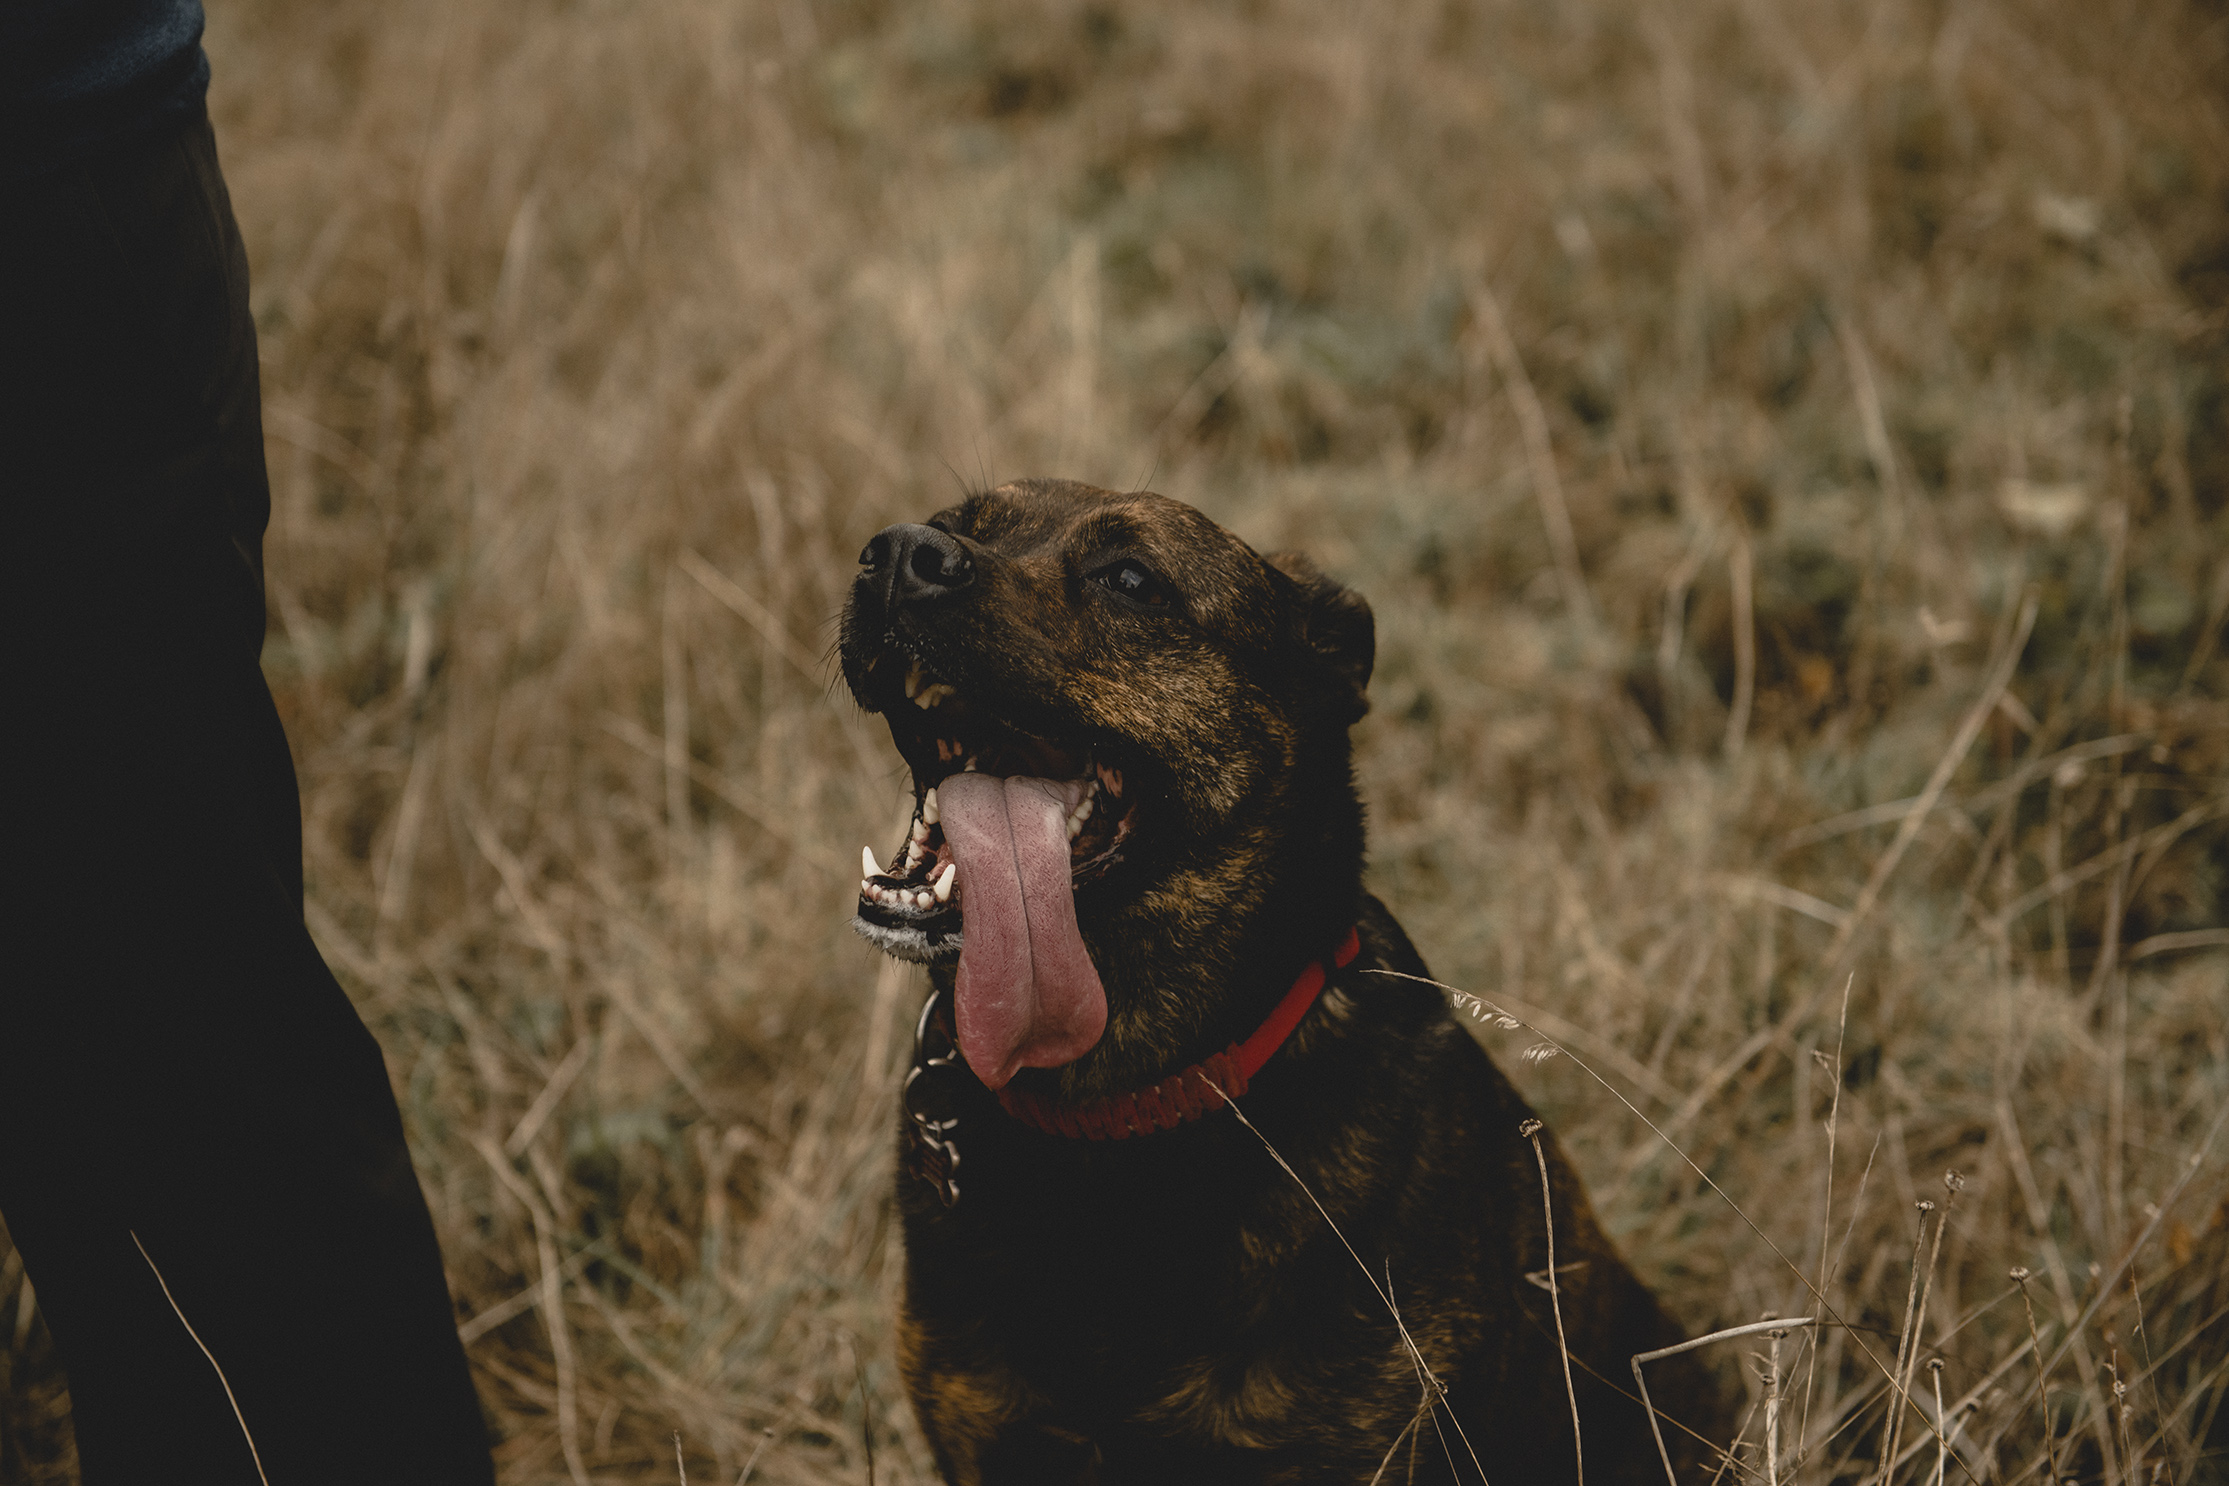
(912,564)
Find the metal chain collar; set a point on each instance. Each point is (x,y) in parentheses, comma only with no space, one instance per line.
(936,1155)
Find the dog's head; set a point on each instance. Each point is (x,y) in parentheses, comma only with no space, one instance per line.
(1128,738)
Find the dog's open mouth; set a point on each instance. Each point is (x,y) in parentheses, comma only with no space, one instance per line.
(1006,827)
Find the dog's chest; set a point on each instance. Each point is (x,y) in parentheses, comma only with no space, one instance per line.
(1154,1282)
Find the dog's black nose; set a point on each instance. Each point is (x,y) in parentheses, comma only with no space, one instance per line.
(911,563)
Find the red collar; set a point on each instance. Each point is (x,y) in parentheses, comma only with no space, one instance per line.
(1187,1095)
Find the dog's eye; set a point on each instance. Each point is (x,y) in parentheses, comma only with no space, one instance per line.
(1134,581)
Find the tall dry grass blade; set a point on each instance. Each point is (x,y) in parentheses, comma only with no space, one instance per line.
(2108,1279)
(1428,1388)
(1742,569)
(1772,1407)
(1540,453)
(746,606)
(2144,1338)
(2132,1468)
(1488,1008)
(1906,1345)
(1530,1130)
(1942,1421)
(765,1438)
(215,1366)
(552,1305)
(1826,1215)
(1416,1354)
(673,687)
(866,1406)
(1953,1184)
(545,1103)
(2154,840)
(26,1308)
(680,1466)
(1641,1383)
(2043,1368)
(1838,954)
(1423,1408)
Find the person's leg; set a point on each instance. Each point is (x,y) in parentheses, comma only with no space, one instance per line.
(179,1072)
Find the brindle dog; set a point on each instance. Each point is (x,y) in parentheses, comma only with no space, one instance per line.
(1136,831)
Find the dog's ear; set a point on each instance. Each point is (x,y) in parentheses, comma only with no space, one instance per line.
(1334,624)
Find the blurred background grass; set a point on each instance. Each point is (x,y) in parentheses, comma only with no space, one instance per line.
(1698,392)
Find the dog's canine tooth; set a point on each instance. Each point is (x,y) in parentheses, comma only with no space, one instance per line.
(928,808)
(913,678)
(867,860)
(943,887)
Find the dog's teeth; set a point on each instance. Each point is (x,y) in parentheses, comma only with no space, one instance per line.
(931,695)
(913,678)
(867,861)
(923,900)
(943,887)
(913,852)
(970,764)
(866,888)
(920,830)
(928,809)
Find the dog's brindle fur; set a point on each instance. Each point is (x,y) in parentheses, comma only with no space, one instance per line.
(1172,1307)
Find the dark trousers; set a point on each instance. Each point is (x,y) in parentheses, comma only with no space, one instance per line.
(179,1071)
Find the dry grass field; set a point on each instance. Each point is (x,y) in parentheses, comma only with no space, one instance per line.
(1787,448)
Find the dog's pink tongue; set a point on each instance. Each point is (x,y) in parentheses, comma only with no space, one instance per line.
(1028,995)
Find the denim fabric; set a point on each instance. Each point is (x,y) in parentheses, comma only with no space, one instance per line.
(179,1071)
(79,75)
